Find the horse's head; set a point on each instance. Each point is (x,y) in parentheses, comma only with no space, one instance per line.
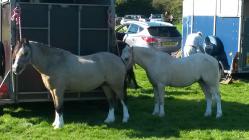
(22,56)
(127,56)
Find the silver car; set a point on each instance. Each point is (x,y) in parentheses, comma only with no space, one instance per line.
(159,35)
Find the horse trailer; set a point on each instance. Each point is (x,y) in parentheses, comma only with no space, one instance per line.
(80,26)
(228,20)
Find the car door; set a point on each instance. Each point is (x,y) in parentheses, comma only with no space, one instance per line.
(131,35)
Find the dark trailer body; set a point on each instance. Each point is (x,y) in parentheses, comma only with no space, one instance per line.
(80,26)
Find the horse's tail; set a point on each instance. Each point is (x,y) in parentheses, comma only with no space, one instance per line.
(221,70)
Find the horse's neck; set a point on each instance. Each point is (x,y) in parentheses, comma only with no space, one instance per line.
(147,57)
(39,58)
(142,56)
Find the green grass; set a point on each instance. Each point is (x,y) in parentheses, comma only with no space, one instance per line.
(184,117)
(179,27)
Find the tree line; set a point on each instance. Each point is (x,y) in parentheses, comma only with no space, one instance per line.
(146,7)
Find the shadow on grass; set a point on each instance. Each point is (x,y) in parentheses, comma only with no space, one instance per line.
(180,115)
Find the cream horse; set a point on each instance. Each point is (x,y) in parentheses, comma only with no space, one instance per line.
(63,71)
(164,70)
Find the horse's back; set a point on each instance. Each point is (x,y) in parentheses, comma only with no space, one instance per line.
(84,73)
(112,68)
(185,71)
(108,60)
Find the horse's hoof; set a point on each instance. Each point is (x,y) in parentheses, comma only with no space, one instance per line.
(207,114)
(54,124)
(109,121)
(219,115)
(155,113)
(58,126)
(161,115)
(125,120)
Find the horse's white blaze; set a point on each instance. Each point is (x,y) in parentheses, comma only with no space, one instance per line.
(156,109)
(110,117)
(125,112)
(14,66)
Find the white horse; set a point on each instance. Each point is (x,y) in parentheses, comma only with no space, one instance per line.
(61,70)
(164,70)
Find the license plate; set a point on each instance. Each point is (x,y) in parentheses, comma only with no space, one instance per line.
(169,43)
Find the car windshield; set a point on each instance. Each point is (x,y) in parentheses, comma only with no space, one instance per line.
(164,31)
(130,17)
(156,16)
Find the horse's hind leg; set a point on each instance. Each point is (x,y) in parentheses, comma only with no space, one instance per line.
(109,95)
(156,104)
(160,88)
(208,96)
(119,90)
(216,94)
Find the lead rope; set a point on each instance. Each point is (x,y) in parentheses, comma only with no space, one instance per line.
(16,16)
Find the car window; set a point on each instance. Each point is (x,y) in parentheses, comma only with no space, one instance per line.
(133,28)
(140,29)
(164,31)
(130,17)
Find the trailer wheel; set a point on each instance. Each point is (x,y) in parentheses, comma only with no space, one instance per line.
(2,60)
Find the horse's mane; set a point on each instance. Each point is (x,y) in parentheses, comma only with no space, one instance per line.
(152,52)
(49,50)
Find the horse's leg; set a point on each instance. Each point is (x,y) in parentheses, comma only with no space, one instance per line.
(208,95)
(58,104)
(160,88)
(216,94)
(119,90)
(133,78)
(109,95)
(156,105)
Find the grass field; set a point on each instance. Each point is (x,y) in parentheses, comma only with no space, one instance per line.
(184,117)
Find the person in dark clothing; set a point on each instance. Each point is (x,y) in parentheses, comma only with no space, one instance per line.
(214,47)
